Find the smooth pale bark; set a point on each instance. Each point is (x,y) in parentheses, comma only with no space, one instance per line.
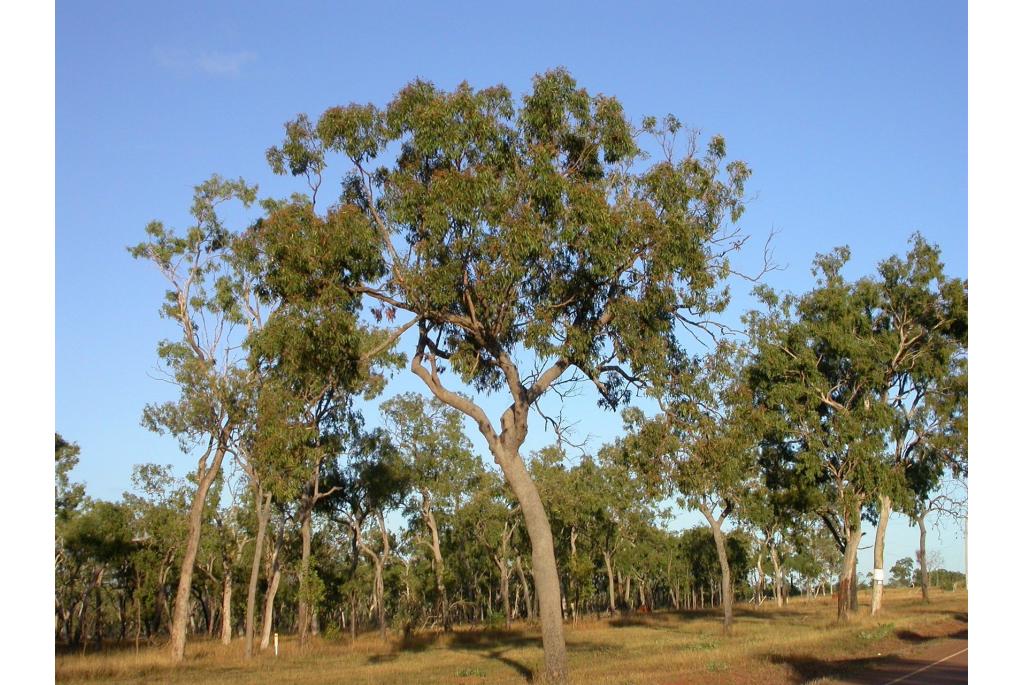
(225,609)
(378,560)
(505,449)
(503,575)
(848,574)
(528,599)
(275,581)
(435,548)
(545,570)
(884,509)
(759,593)
(179,620)
(723,562)
(922,557)
(263,504)
(573,591)
(777,581)
(505,571)
(611,581)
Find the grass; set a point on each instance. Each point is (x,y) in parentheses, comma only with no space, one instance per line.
(794,644)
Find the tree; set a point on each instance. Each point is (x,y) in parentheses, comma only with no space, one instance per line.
(949,502)
(921,317)
(703,448)
(902,572)
(440,464)
(819,372)
(201,303)
(505,233)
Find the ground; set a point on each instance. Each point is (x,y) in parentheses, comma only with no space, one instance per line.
(795,644)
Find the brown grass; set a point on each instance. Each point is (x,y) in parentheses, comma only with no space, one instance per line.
(790,645)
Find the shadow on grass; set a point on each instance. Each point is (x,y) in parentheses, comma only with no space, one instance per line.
(491,644)
(867,671)
(662,619)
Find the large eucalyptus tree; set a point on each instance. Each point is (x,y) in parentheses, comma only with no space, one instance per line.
(507,234)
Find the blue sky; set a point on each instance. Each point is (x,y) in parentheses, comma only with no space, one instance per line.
(853,118)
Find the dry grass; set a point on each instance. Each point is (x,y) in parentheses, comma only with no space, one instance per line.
(795,644)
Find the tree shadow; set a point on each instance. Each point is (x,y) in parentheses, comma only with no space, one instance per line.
(868,670)
(491,644)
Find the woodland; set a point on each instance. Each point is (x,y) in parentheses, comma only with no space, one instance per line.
(552,255)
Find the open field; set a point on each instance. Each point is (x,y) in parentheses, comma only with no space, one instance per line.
(798,643)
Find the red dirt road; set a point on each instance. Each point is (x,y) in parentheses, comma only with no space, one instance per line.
(943,663)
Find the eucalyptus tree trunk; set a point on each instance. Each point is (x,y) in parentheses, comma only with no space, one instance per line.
(435,547)
(884,509)
(759,595)
(306,531)
(505,571)
(573,591)
(225,609)
(179,620)
(726,594)
(274,572)
(545,570)
(379,560)
(611,581)
(263,504)
(855,587)
(505,449)
(527,597)
(503,579)
(922,557)
(847,576)
(777,581)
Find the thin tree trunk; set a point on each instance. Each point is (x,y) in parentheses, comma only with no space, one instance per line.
(503,576)
(435,547)
(138,616)
(759,587)
(526,589)
(723,563)
(179,620)
(225,609)
(922,558)
(777,582)
(306,530)
(263,505)
(275,579)
(877,584)
(611,581)
(353,621)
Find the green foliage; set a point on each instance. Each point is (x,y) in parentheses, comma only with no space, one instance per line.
(902,572)
(501,226)
(68,496)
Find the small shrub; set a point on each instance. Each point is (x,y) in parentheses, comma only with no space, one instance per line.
(469,672)
(876,633)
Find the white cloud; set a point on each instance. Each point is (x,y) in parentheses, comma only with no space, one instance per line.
(211,63)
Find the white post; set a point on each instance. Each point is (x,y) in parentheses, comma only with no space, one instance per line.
(275,644)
